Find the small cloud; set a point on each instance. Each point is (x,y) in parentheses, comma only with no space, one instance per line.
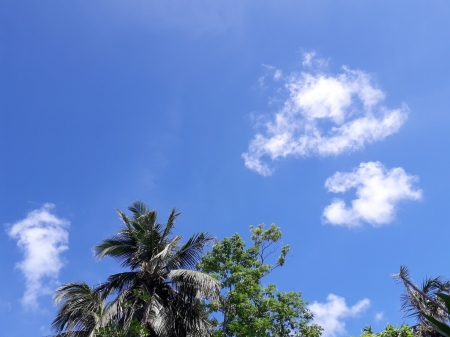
(278,74)
(311,61)
(308,59)
(42,237)
(378,192)
(332,314)
(261,81)
(379,316)
(324,115)
(268,66)
(44,330)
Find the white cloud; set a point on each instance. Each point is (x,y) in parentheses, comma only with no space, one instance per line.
(261,81)
(310,61)
(44,330)
(278,74)
(378,192)
(307,59)
(323,115)
(332,314)
(379,316)
(42,237)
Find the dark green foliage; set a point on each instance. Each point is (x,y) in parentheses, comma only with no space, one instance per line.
(161,292)
(135,329)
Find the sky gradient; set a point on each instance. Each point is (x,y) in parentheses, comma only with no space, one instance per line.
(328,118)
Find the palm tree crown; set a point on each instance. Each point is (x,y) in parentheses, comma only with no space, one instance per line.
(421,301)
(161,289)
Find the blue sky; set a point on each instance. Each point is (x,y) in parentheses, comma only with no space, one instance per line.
(328,118)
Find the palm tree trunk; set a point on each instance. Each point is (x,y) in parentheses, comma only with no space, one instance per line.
(409,283)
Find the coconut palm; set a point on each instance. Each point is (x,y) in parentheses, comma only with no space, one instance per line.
(82,310)
(161,290)
(423,302)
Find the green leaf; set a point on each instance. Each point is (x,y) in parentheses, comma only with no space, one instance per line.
(445,298)
(440,327)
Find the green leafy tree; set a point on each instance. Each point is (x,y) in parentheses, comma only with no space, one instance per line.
(247,307)
(161,291)
(389,331)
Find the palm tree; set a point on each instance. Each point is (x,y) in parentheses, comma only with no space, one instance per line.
(82,310)
(161,290)
(422,302)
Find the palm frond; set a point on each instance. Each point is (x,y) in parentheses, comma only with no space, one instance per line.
(120,247)
(193,282)
(158,315)
(191,252)
(124,218)
(170,222)
(117,283)
(166,258)
(138,208)
(423,302)
(80,308)
(190,319)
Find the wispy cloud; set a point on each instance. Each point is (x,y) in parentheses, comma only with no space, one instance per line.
(324,115)
(379,316)
(332,314)
(42,237)
(311,61)
(378,192)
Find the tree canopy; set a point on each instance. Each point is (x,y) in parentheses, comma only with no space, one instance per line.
(247,307)
(403,330)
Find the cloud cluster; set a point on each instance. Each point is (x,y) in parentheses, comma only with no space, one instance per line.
(378,192)
(42,237)
(324,115)
(332,314)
